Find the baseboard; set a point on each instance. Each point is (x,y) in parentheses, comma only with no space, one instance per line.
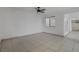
(55,34)
(66,33)
(12,37)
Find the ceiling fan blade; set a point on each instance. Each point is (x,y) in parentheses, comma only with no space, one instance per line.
(42,12)
(43,9)
(37,8)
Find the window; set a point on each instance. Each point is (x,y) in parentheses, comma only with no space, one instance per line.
(50,21)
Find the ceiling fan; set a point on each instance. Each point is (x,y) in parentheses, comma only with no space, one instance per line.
(39,10)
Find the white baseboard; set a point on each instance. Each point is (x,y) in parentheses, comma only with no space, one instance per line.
(8,37)
(66,33)
(55,34)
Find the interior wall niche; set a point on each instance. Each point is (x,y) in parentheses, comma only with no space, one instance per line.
(50,21)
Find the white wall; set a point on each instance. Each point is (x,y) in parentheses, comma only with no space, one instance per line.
(74,15)
(24,21)
(18,22)
(67,24)
(59,29)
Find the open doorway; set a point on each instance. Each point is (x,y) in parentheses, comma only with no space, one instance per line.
(74,33)
(75,24)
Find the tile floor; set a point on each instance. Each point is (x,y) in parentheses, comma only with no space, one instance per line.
(73,35)
(41,42)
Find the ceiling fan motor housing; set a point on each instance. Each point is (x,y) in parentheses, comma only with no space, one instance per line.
(40,10)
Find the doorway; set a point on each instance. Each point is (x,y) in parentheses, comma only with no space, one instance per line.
(74,34)
(75,24)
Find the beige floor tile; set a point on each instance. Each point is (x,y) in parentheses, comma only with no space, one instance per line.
(41,42)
